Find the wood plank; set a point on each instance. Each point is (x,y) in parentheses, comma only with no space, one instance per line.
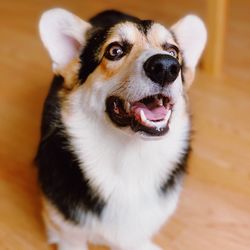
(216,24)
(214,211)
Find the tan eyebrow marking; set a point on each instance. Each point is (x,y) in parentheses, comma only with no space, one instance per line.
(159,35)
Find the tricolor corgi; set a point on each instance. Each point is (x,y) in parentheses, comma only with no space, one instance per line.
(115,134)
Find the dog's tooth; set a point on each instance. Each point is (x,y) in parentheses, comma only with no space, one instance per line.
(168,115)
(143,117)
(160,102)
(127,107)
(159,125)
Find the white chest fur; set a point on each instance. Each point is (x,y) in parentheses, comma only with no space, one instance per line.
(127,171)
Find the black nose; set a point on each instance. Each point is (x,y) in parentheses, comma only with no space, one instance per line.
(162,69)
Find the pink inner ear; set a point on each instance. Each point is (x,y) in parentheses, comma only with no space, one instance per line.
(72,42)
(70,48)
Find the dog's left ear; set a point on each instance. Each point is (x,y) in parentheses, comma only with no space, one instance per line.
(63,34)
(191,35)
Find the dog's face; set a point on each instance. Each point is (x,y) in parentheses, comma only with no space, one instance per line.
(129,72)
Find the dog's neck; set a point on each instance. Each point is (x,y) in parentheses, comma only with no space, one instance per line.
(106,151)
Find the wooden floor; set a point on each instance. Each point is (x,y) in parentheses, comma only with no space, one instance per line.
(214,211)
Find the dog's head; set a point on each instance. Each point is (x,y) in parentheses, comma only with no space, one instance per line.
(130,72)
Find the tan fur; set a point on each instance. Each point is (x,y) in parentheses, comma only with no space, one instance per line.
(71,83)
(188,77)
(107,69)
(70,74)
(156,37)
(126,171)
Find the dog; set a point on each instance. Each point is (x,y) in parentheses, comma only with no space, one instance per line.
(115,132)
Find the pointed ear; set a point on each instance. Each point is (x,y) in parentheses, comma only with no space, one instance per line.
(191,35)
(63,35)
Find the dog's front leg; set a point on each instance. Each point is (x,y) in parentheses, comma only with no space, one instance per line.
(71,245)
(149,246)
(145,246)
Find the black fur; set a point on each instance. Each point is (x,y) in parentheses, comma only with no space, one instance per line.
(98,34)
(109,18)
(177,172)
(145,25)
(60,176)
(61,179)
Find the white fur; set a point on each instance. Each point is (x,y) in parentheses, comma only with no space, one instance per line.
(191,35)
(62,34)
(160,34)
(126,169)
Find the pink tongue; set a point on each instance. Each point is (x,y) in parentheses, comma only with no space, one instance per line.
(152,114)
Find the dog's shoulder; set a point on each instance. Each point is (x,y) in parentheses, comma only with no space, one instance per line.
(60,176)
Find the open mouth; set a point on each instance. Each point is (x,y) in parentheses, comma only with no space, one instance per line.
(150,115)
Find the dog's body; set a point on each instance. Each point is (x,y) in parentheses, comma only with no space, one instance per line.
(115,130)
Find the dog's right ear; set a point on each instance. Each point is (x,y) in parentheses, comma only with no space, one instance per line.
(191,35)
(63,34)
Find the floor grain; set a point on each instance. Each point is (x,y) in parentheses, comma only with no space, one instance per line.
(214,210)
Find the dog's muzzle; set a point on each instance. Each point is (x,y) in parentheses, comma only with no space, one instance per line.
(151,114)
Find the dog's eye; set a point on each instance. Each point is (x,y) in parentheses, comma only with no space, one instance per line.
(171,49)
(172,52)
(114,51)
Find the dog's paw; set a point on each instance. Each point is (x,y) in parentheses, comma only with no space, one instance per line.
(146,246)
(150,246)
(68,246)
